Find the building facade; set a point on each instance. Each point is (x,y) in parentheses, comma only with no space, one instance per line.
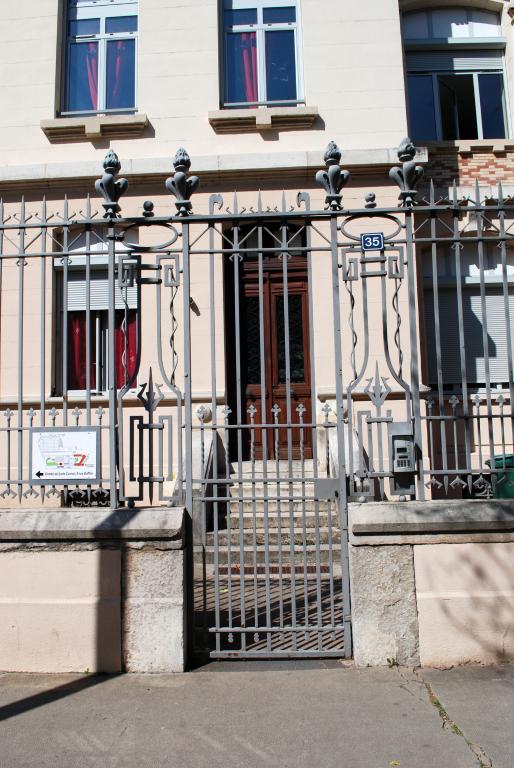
(303,313)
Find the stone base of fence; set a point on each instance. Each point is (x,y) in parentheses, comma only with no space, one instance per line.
(432,582)
(92,591)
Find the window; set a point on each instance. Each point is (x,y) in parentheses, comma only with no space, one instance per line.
(100,61)
(261,52)
(75,298)
(455,75)
(475,320)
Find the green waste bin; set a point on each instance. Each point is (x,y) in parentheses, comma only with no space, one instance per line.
(504,487)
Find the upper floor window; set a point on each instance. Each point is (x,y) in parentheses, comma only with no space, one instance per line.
(455,74)
(261,52)
(100,65)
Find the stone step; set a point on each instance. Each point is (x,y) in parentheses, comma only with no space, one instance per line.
(274,553)
(310,537)
(271,489)
(249,519)
(256,469)
(286,508)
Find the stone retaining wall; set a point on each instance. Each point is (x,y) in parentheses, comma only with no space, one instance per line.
(432,582)
(92,591)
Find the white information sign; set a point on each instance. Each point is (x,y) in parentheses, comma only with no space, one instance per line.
(62,455)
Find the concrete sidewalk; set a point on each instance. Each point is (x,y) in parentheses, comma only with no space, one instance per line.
(298,715)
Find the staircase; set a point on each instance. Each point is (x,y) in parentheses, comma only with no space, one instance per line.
(273,521)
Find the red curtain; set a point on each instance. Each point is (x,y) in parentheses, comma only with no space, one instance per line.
(77,351)
(125,341)
(249,49)
(118,65)
(92,73)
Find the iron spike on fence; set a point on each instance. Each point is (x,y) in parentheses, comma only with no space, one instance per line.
(179,185)
(109,187)
(334,178)
(408,176)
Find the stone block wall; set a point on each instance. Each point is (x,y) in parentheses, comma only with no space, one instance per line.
(432,582)
(92,591)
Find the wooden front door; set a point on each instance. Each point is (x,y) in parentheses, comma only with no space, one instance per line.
(269,358)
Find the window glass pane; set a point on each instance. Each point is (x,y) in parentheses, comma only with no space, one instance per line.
(492,105)
(280,66)
(422,123)
(83,77)
(121,24)
(242,67)
(279,15)
(450,23)
(121,67)
(84,27)
(458,111)
(415,25)
(246,16)
(485,24)
(296,348)
(77,335)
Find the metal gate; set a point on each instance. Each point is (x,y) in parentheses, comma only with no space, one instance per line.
(263,365)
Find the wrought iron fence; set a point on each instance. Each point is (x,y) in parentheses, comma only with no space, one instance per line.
(96,329)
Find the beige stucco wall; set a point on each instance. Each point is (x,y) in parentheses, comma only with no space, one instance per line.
(352,67)
(465,598)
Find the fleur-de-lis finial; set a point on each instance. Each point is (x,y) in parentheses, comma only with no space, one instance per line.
(408,176)
(180,185)
(334,178)
(109,187)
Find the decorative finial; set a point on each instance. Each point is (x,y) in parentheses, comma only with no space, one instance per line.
(408,176)
(110,188)
(334,178)
(179,185)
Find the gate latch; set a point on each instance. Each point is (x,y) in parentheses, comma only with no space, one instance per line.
(326,488)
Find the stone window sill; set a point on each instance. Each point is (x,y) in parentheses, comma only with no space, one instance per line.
(92,127)
(263,119)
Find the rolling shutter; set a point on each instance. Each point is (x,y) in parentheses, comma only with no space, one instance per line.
(473,335)
(99,291)
(459,61)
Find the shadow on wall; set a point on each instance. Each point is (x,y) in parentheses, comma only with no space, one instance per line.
(465,602)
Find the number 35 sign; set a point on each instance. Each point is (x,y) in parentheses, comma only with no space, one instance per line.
(372,241)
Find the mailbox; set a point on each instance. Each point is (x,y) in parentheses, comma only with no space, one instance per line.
(402,458)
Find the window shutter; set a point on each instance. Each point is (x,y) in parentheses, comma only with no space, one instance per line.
(99,291)
(473,335)
(462,61)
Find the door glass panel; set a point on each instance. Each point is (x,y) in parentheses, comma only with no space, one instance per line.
(280,66)
(492,105)
(296,346)
(83,77)
(251,340)
(121,68)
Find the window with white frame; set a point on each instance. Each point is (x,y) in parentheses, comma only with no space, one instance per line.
(261,52)
(82,307)
(100,56)
(455,74)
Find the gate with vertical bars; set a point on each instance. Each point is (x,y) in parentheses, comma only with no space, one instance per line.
(262,365)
